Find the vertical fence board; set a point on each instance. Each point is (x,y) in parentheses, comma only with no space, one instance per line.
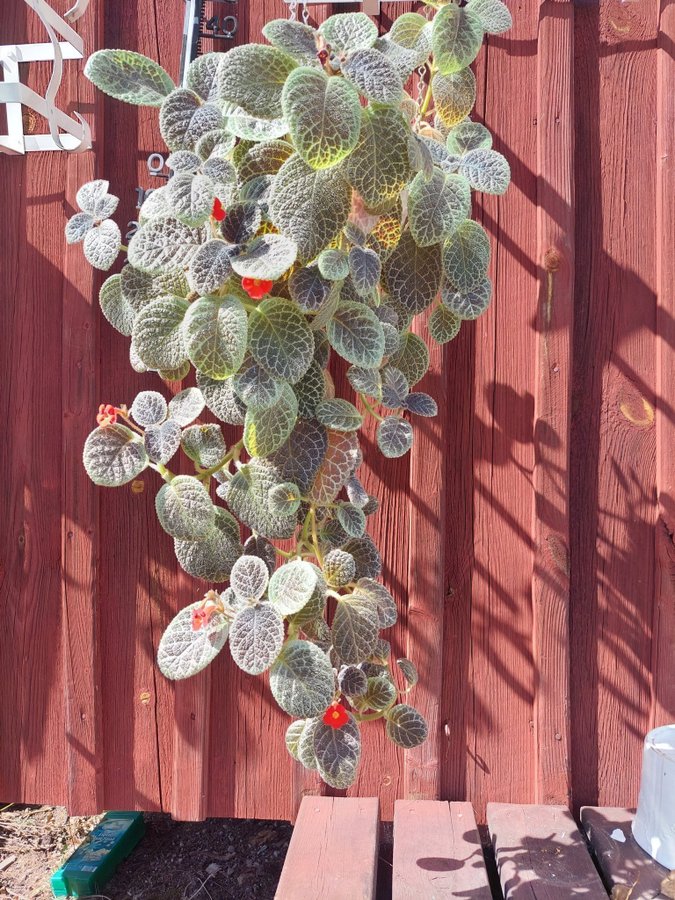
(663,671)
(555,262)
(500,702)
(79,500)
(612,506)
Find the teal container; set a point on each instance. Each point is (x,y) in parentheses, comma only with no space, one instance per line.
(95,860)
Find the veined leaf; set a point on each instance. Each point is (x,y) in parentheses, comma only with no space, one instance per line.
(265,430)
(337,752)
(292,586)
(184,509)
(406,727)
(256,637)
(129,76)
(249,578)
(437,207)
(158,333)
(374,76)
(215,335)
(252,76)
(294,38)
(114,455)
(494,16)
(413,274)
(163,245)
(266,257)
(212,557)
(355,629)
(379,166)
(412,357)
(486,171)
(454,95)
(468,136)
(184,119)
(394,436)
(301,679)
(466,256)
(280,339)
(349,31)
(183,652)
(456,38)
(323,115)
(443,325)
(468,304)
(356,334)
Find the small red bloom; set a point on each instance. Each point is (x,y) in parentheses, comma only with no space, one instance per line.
(107,414)
(218,212)
(336,716)
(256,288)
(201,616)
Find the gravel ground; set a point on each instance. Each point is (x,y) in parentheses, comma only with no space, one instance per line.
(217,859)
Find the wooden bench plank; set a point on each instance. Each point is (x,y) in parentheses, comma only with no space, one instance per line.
(333,850)
(437,852)
(541,854)
(619,856)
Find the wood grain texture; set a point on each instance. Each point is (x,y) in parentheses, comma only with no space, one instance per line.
(621,859)
(541,854)
(79,500)
(553,378)
(437,852)
(333,850)
(663,646)
(613,512)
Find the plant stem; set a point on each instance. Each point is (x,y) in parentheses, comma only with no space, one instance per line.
(427,97)
(370,409)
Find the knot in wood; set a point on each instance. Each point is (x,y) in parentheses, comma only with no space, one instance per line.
(552,259)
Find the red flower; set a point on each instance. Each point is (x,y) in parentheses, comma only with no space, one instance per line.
(202,614)
(200,617)
(218,212)
(336,716)
(107,415)
(256,288)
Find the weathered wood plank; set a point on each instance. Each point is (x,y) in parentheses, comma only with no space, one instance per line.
(663,671)
(499,668)
(621,859)
(333,850)
(79,497)
(555,260)
(541,854)
(437,852)
(613,467)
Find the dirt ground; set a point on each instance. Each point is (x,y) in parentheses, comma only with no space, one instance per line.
(217,859)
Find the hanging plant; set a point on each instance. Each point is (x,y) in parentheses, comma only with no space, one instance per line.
(315,207)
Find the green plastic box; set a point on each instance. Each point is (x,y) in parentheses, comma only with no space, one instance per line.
(95,860)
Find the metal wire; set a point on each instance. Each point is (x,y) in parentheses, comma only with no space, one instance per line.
(305,14)
(293,10)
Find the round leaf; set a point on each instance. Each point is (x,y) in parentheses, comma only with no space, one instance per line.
(292,585)
(158,333)
(215,335)
(184,509)
(406,727)
(394,436)
(212,558)
(301,679)
(466,256)
(149,408)
(114,455)
(252,76)
(355,629)
(337,752)
(356,334)
(323,115)
(183,652)
(280,339)
(256,637)
(266,430)
(456,38)
(249,578)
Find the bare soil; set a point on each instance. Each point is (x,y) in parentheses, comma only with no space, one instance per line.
(217,859)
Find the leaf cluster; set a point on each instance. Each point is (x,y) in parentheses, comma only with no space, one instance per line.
(347,214)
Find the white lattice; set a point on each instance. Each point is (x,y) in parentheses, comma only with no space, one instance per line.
(65,133)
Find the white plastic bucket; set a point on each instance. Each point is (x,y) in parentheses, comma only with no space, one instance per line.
(654,823)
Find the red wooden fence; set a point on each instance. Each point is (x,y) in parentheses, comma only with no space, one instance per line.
(528,538)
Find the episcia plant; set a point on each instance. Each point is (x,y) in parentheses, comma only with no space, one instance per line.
(315,207)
